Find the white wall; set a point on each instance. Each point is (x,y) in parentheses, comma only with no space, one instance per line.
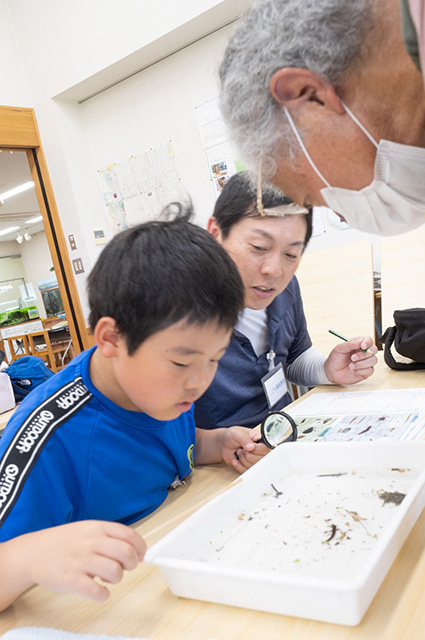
(89,44)
(33,264)
(9,249)
(334,236)
(158,105)
(168,52)
(72,50)
(10,267)
(13,85)
(37,262)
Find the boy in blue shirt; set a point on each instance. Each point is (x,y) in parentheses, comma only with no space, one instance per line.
(98,445)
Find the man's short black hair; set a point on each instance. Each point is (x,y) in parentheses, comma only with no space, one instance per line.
(155,274)
(238,200)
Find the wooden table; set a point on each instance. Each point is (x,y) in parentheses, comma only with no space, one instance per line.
(142,605)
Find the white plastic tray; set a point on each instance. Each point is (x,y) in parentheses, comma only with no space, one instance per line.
(318,584)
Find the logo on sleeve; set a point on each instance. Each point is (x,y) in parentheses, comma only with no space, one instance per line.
(190,453)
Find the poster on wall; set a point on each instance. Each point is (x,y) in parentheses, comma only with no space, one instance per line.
(137,189)
(50,282)
(221,158)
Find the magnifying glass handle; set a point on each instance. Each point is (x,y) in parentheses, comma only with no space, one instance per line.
(263,441)
(260,441)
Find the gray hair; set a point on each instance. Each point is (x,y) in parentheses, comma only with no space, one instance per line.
(324,36)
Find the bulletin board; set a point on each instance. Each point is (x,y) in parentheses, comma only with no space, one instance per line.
(222,159)
(137,188)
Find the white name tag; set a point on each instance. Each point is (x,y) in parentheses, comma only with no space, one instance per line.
(274,385)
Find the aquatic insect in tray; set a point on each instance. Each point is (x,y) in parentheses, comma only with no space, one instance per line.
(391,496)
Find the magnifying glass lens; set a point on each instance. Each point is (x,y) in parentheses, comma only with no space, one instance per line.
(276,428)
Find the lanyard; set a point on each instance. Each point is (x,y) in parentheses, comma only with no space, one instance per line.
(270,355)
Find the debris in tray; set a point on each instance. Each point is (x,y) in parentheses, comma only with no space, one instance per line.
(278,493)
(334,529)
(314,524)
(332,475)
(391,496)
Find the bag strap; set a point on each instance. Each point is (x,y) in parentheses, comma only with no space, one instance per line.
(387,339)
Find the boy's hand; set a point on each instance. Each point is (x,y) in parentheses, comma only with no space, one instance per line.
(349,362)
(68,558)
(241,441)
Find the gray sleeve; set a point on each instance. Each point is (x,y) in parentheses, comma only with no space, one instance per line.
(308,369)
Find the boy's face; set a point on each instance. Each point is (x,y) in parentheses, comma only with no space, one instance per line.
(169,370)
(267,252)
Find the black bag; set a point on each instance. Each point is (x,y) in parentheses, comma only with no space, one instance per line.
(26,374)
(408,337)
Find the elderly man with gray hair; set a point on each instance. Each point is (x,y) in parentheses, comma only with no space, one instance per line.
(322,98)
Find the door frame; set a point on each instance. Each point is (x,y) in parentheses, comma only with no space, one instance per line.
(19,130)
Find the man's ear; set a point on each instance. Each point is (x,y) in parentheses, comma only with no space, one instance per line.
(107,337)
(295,87)
(214,229)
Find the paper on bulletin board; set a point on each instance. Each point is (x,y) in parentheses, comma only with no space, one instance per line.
(222,159)
(136,189)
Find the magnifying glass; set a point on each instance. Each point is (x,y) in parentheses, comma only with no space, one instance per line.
(276,428)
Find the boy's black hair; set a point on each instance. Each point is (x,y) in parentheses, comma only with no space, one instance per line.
(238,199)
(160,272)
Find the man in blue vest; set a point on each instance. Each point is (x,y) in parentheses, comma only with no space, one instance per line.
(270,345)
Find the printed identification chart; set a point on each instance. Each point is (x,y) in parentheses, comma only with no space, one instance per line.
(398,414)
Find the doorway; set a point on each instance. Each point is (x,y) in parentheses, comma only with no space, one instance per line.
(42,285)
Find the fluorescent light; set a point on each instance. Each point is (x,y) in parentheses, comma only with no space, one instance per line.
(8,230)
(14,192)
(33,220)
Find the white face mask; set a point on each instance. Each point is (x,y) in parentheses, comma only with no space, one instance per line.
(394,202)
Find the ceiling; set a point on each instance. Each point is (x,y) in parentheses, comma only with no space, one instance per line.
(15,211)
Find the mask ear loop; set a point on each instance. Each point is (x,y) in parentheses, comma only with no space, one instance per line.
(360,125)
(302,145)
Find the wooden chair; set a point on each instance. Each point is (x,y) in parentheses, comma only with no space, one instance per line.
(40,346)
(18,347)
(3,349)
(63,351)
(61,342)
